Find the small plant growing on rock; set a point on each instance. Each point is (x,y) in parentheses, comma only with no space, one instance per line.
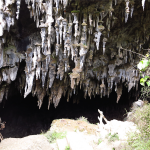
(67,147)
(99,141)
(112,137)
(53,136)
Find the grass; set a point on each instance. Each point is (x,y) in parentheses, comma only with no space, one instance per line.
(112,137)
(99,141)
(140,140)
(67,147)
(53,136)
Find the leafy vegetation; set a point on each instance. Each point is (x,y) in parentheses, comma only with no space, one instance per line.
(67,147)
(53,136)
(99,141)
(144,68)
(140,140)
(141,117)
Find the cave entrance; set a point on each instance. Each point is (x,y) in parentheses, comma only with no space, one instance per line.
(24,118)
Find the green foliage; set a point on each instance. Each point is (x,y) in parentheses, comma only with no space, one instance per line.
(140,140)
(53,136)
(136,142)
(143,80)
(145,92)
(112,137)
(100,141)
(148,83)
(75,11)
(67,147)
(144,67)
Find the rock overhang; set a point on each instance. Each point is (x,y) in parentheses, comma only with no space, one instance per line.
(72,44)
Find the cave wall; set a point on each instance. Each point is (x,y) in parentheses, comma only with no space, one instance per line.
(55,47)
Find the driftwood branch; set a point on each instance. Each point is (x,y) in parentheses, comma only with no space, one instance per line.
(102,117)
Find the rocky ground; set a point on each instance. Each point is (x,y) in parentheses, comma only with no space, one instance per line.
(111,136)
(33,142)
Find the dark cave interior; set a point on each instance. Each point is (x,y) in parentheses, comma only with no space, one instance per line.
(23,117)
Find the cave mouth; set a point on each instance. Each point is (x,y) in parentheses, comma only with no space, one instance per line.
(23,117)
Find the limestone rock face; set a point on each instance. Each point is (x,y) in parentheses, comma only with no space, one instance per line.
(71,44)
(30,142)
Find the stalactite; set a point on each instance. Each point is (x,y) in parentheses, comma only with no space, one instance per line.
(18,8)
(2,92)
(119,92)
(132,8)
(29,83)
(1,55)
(104,45)
(143,4)
(13,73)
(127,11)
(74,47)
